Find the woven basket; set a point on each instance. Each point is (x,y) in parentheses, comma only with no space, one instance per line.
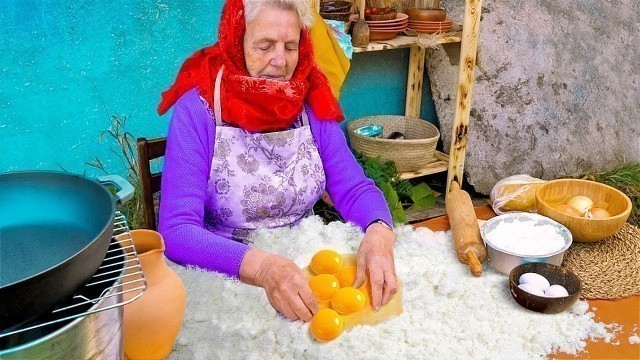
(413,153)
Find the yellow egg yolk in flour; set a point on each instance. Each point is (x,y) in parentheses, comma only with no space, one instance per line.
(326,262)
(326,325)
(347,276)
(324,286)
(348,300)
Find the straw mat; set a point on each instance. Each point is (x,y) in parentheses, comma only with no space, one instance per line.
(609,268)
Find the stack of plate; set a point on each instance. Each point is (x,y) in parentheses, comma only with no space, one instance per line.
(387,29)
(430,27)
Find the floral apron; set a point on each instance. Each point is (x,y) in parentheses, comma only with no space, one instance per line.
(261,179)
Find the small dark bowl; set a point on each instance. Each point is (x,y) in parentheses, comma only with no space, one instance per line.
(335,6)
(336,16)
(556,275)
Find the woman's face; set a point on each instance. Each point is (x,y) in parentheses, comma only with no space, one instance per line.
(271,44)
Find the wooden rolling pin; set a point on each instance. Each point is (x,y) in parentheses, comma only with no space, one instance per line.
(464,226)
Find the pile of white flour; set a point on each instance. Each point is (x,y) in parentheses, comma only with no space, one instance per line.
(447,312)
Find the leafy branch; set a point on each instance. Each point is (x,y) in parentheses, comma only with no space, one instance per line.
(400,194)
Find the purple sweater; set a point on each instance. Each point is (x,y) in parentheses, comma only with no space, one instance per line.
(187,165)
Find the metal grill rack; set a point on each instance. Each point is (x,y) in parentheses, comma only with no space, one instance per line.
(121,268)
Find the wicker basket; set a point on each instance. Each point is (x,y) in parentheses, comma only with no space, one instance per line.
(412,154)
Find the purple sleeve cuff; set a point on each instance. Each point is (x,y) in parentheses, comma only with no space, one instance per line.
(355,196)
(187,162)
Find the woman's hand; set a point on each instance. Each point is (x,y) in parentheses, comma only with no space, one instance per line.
(286,285)
(375,255)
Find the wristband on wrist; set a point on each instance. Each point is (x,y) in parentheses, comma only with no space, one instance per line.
(378,221)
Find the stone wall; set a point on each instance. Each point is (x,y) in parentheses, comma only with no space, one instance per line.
(556,88)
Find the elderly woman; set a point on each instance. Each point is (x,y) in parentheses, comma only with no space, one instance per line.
(254,141)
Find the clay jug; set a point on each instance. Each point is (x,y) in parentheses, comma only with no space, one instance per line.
(152,322)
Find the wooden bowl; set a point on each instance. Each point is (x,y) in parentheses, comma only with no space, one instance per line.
(335,6)
(381,17)
(557,275)
(336,16)
(558,192)
(426,14)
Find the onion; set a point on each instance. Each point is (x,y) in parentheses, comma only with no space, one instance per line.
(598,213)
(568,210)
(581,203)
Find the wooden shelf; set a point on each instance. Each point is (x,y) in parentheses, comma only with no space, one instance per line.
(439,164)
(467,35)
(403,41)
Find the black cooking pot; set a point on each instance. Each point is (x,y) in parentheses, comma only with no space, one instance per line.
(55,229)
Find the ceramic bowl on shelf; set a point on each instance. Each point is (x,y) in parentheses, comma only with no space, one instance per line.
(430,27)
(415,13)
(431,23)
(556,275)
(397,28)
(380,35)
(400,17)
(557,192)
(430,31)
(400,26)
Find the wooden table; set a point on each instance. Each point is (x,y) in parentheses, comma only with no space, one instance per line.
(624,312)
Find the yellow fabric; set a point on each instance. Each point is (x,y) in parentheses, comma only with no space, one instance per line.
(328,54)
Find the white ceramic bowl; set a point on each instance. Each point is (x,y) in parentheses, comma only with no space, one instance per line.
(504,261)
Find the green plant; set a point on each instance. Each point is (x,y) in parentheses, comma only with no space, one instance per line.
(133,210)
(625,178)
(400,194)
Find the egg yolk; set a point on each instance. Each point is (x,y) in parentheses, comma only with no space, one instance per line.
(348,300)
(326,325)
(324,286)
(347,276)
(326,262)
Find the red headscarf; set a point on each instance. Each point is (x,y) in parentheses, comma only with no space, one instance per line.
(255,104)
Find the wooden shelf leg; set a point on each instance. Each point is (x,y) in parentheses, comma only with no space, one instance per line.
(414,81)
(469,48)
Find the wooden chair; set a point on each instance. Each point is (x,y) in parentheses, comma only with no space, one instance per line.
(149,150)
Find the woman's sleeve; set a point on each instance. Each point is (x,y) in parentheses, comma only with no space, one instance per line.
(184,191)
(355,196)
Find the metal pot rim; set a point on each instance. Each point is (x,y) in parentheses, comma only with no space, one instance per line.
(115,287)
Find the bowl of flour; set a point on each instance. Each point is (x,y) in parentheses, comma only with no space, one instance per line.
(519,237)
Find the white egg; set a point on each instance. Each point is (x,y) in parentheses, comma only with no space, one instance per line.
(556,291)
(536,279)
(531,289)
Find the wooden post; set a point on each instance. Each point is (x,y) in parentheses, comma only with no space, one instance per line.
(414,81)
(469,48)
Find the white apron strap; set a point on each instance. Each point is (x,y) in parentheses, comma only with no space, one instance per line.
(217,111)
(305,117)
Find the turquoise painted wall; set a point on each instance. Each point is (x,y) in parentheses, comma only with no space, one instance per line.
(67,66)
